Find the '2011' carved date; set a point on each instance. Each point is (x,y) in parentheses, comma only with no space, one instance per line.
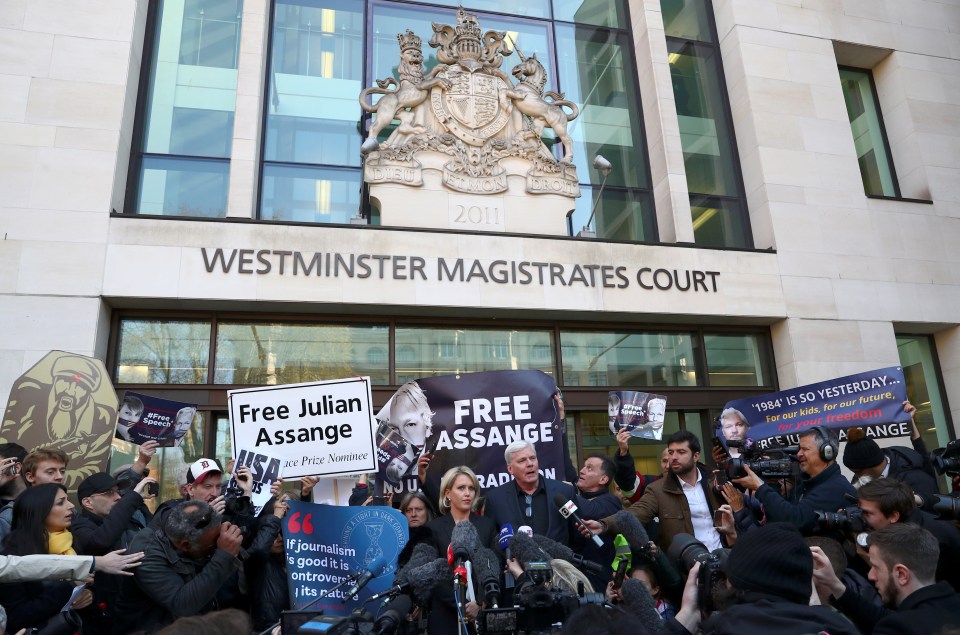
(476,215)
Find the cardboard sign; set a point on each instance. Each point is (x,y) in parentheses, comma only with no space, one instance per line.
(323,428)
(641,413)
(145,418)
(65,401)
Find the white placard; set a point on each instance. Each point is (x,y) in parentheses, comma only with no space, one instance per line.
(322,428)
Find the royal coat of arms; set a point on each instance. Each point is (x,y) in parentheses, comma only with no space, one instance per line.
(468,109)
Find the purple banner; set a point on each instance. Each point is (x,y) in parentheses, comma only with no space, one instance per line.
(144,418)
(874,399)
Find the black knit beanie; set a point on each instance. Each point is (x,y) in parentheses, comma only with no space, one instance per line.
(774,560)
(861,453)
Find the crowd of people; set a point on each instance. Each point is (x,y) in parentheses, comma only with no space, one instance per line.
(683,551)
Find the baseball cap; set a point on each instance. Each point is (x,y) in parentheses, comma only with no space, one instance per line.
(95,484)
(201,468)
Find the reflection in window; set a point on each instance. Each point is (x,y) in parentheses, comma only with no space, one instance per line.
(315,74)
(631,359)
(312,195)
(873,153)
(163,352)
(443,351)
(718,222)
(619,215)
(595,12)
(703,112)
(736,360)
(922,372)
(272,354)
(191,99)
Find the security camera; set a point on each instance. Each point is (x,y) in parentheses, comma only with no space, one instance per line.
(600,163)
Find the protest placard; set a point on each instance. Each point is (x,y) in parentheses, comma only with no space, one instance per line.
(468,419)
(325,544)
(873,400)
(66,401)
(146,418)
(640,413)
(264,470)
(321,428)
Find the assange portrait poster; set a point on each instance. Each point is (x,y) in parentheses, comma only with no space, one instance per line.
(468,419)
(145,418)
(640,413)
(324,544)
(322,428)
(873,400)
(66,401)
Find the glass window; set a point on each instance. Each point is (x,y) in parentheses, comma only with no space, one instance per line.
(270,354)
(163,352)
(634,360)
(718,222)
(876,167)
(921,370)
(707,150)
(737,360)
(596,12)
(316,74)
(441,351)
(686,19)
(191,98)
(183,187)
(619,215)
(595,437)
(312,195)
(596,72)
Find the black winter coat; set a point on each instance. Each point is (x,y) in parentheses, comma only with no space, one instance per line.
(764,614)
(824,492)
(923,612)
(168,586)
(503,507)
(909,466)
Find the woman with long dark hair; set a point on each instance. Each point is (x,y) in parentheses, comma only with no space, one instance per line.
(41,524)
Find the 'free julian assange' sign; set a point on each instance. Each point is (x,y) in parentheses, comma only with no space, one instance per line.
(322,428)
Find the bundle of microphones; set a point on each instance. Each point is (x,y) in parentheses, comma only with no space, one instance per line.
(426,568)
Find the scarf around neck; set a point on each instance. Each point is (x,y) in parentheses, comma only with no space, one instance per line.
(61,543)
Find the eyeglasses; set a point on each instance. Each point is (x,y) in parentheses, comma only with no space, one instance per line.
(204,521)
(529,501)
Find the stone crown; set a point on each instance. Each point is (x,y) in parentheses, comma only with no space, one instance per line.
(409,40)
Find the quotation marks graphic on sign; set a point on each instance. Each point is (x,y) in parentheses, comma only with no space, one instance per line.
(295,525)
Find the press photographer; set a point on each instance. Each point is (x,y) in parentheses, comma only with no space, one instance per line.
(769,575)
(821,485)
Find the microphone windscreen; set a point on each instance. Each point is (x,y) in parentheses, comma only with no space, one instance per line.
(560,500)
(554,548)
(525,550)
(525,530)
(421,555)
(400,606)
(486,565)
(427,576)
(631,528)
(464,539)
(506,533)
(638,601)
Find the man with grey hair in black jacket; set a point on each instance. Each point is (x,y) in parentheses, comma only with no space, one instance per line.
(184,568)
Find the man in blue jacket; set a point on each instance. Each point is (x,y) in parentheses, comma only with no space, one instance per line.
(821,488)
(528,498)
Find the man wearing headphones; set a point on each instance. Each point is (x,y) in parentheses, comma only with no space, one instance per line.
(821,488)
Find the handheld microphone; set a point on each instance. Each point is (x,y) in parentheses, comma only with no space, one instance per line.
(424,578)
(569,510)
(506,533)
(622,560)
(390,620)
(373,570)
(525,530)
(396,589)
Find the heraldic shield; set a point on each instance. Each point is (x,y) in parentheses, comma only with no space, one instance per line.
(471,108)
